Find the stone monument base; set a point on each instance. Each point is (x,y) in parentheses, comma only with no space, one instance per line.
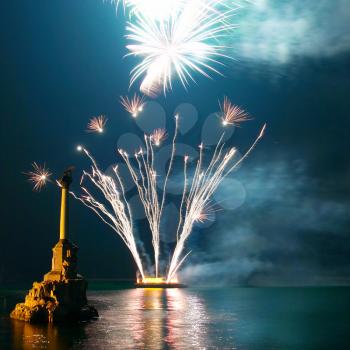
(55,301)
(61,296)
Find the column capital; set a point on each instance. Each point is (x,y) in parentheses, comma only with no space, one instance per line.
(67,178)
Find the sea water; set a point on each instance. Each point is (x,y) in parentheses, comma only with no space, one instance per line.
(192,318)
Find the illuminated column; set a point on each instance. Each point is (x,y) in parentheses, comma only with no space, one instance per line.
(64,253)
(64,219)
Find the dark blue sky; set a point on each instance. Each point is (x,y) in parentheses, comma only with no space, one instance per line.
(62,62)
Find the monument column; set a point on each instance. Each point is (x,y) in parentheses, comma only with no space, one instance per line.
(65,182)
(64,253)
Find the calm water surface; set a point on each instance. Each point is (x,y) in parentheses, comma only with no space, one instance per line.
(194,318)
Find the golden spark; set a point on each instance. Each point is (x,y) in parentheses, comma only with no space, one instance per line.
(97,124)
(133,105)
(158,136)
(38,176)
(232,114)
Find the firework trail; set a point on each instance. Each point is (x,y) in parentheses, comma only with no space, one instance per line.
(204,183)
(119,217)
(196,196)
(38,176)
(195,203)
(231,114)
(97,124)
(181,45)
(144,176)
(134,105)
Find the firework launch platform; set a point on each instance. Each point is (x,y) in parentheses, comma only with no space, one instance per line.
(158,282)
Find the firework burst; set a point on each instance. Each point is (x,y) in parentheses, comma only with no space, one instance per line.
(38,176)
(207,214)
(97,124)
(231,114)
(178,46)
(201,217)
(133,105)
(158,136)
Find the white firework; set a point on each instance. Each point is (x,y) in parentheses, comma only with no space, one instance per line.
(196,198)
(195,203)
(117,213)
(180,46)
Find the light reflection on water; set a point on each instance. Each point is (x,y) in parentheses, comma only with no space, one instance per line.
(194,318)
(154,318)
(129,319)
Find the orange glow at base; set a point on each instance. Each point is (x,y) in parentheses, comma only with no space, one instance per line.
(156,280)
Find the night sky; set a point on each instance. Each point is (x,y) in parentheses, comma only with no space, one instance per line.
(62,62)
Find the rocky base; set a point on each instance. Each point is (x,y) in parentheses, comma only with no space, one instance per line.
(55,301)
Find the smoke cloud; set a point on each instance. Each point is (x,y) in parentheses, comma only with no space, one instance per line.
(278,32)
(284,233)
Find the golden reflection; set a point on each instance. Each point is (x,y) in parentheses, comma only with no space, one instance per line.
(38,336)
(172,318)
(150,318)
(152,298)
(151,304)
